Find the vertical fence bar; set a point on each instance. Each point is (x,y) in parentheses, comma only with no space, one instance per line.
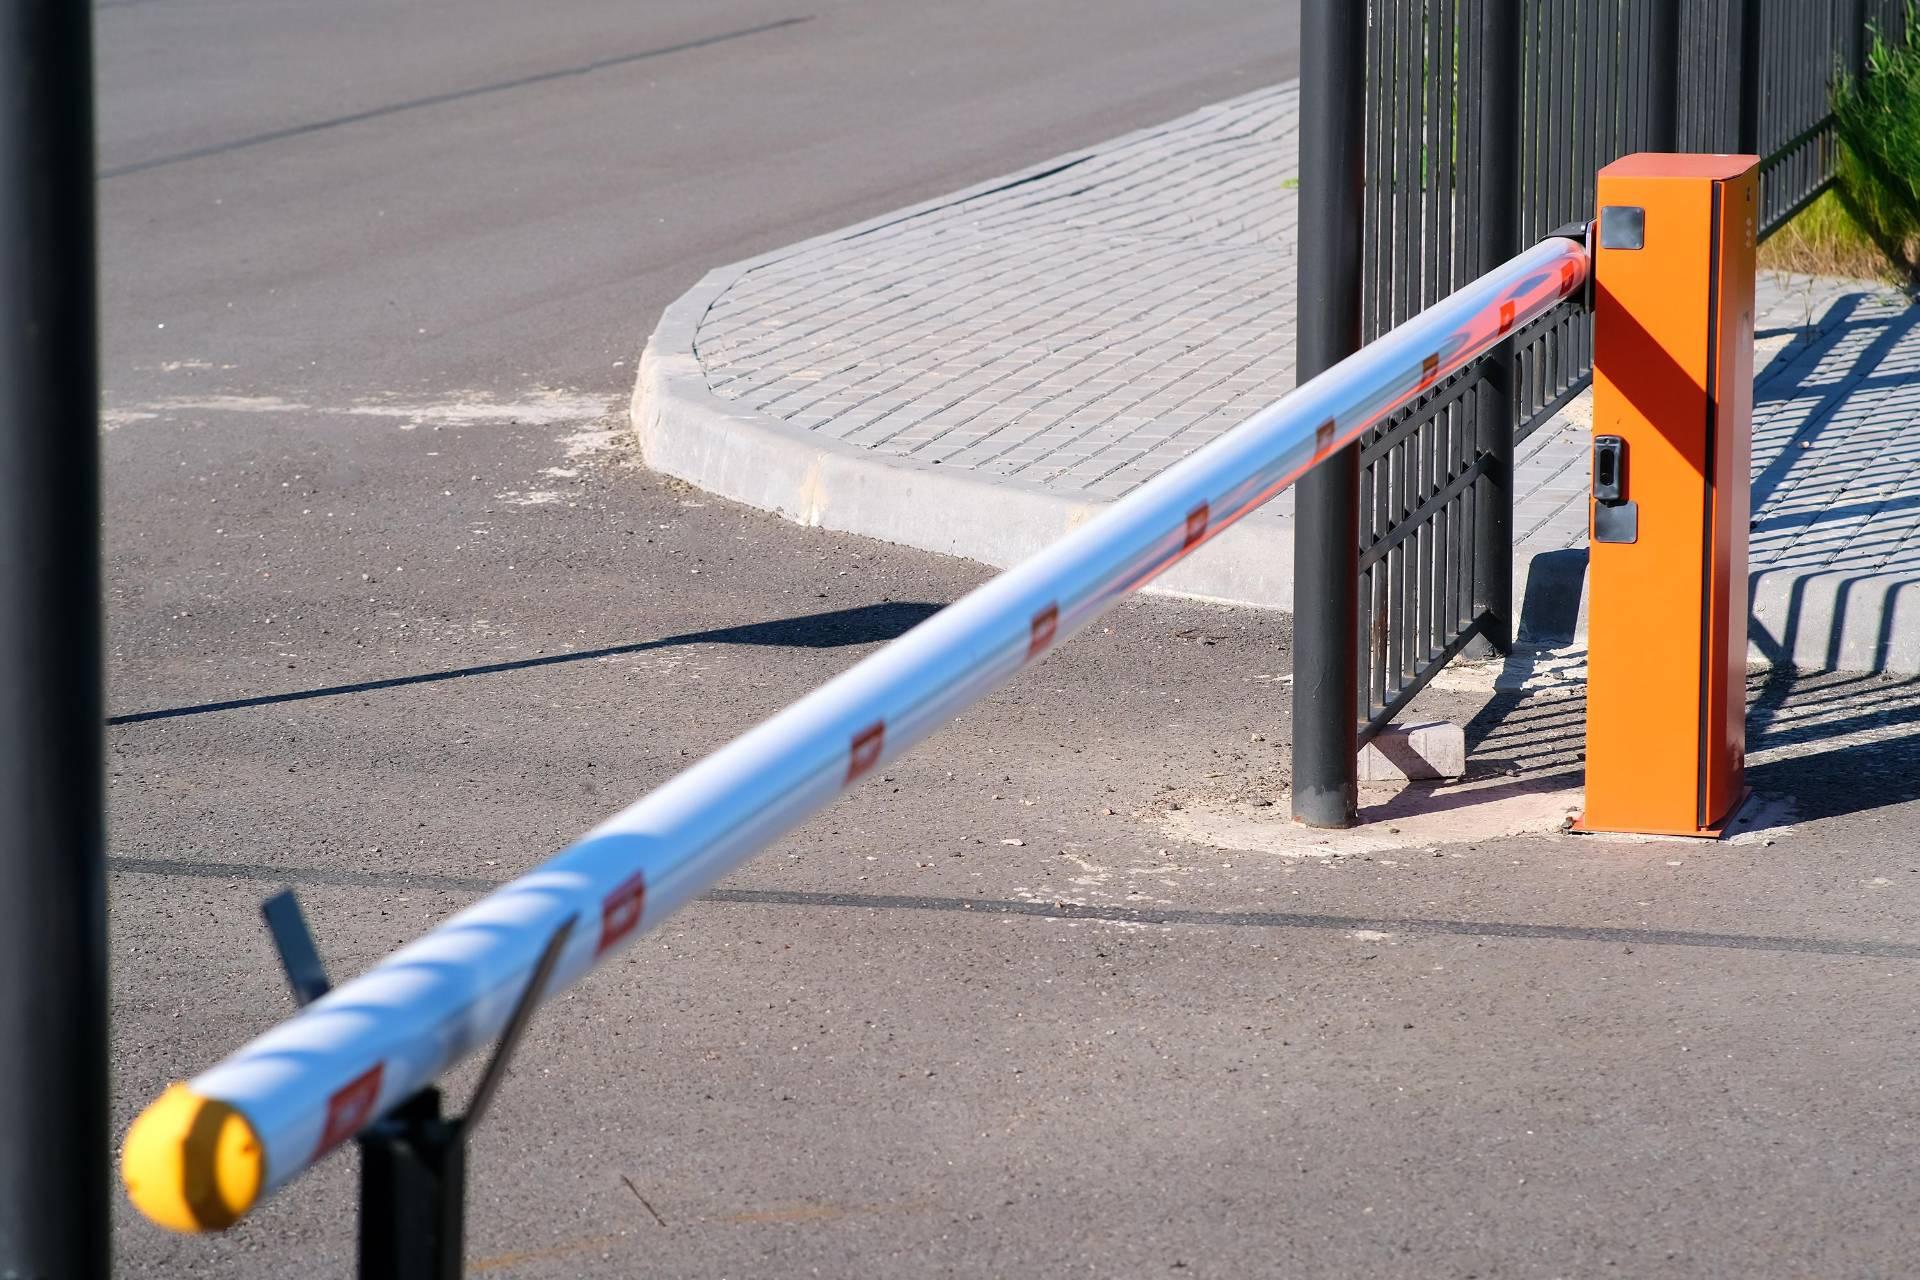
(1406,180)
(1695,50)
(1376,306)
(1590,32)
(1498,218)
(1749,76)
(1664,42)
(1379,614)
(1398,611)
(54,1143)
(1648,91)
(1333,55)
(1720,105)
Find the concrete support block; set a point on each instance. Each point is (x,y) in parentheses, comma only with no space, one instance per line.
(1415,752)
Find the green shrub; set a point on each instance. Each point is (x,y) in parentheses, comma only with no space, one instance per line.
(1878,119)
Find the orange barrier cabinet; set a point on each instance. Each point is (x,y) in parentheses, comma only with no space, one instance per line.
(1673,424)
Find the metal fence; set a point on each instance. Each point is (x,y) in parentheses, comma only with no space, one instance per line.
(1803,44)
(1471,102)
(1439,170)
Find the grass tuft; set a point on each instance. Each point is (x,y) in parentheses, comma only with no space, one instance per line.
(1868,225)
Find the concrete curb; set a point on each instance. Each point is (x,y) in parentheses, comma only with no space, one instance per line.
(687,431)
(1835,621)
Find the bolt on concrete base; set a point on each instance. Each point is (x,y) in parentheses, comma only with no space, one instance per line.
(1415,753)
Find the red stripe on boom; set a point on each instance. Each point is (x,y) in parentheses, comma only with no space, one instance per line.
(1196,524)
(1429,371)
(620,911)
(350,1108)
(865,752)
(1046,624)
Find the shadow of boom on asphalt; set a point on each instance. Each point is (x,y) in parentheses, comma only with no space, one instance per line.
(867,624)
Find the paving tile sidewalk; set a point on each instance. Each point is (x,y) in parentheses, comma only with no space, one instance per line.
(975,375)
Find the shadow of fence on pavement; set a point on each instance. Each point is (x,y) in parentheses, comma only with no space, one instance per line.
(1837,743)
(1835,546)
(1831,743)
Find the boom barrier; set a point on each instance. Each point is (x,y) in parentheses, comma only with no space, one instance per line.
(206,1152)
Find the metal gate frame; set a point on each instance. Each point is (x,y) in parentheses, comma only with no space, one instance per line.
(1439,136)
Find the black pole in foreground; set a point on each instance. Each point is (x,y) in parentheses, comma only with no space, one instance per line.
(53,970)
(1326,561)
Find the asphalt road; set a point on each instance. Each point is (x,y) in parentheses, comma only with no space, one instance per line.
(393,615)
(368,198)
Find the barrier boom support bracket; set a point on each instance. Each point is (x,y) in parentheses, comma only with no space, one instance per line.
(413,1161)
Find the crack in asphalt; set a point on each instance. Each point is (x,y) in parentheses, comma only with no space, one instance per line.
(1078,911)
(441,99)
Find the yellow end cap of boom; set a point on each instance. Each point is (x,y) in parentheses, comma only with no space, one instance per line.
(192,1163)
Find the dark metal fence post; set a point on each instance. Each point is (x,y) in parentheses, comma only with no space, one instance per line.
(1749,77)
(1326,592)
(53,998)
(1663,68)
(1497,153)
